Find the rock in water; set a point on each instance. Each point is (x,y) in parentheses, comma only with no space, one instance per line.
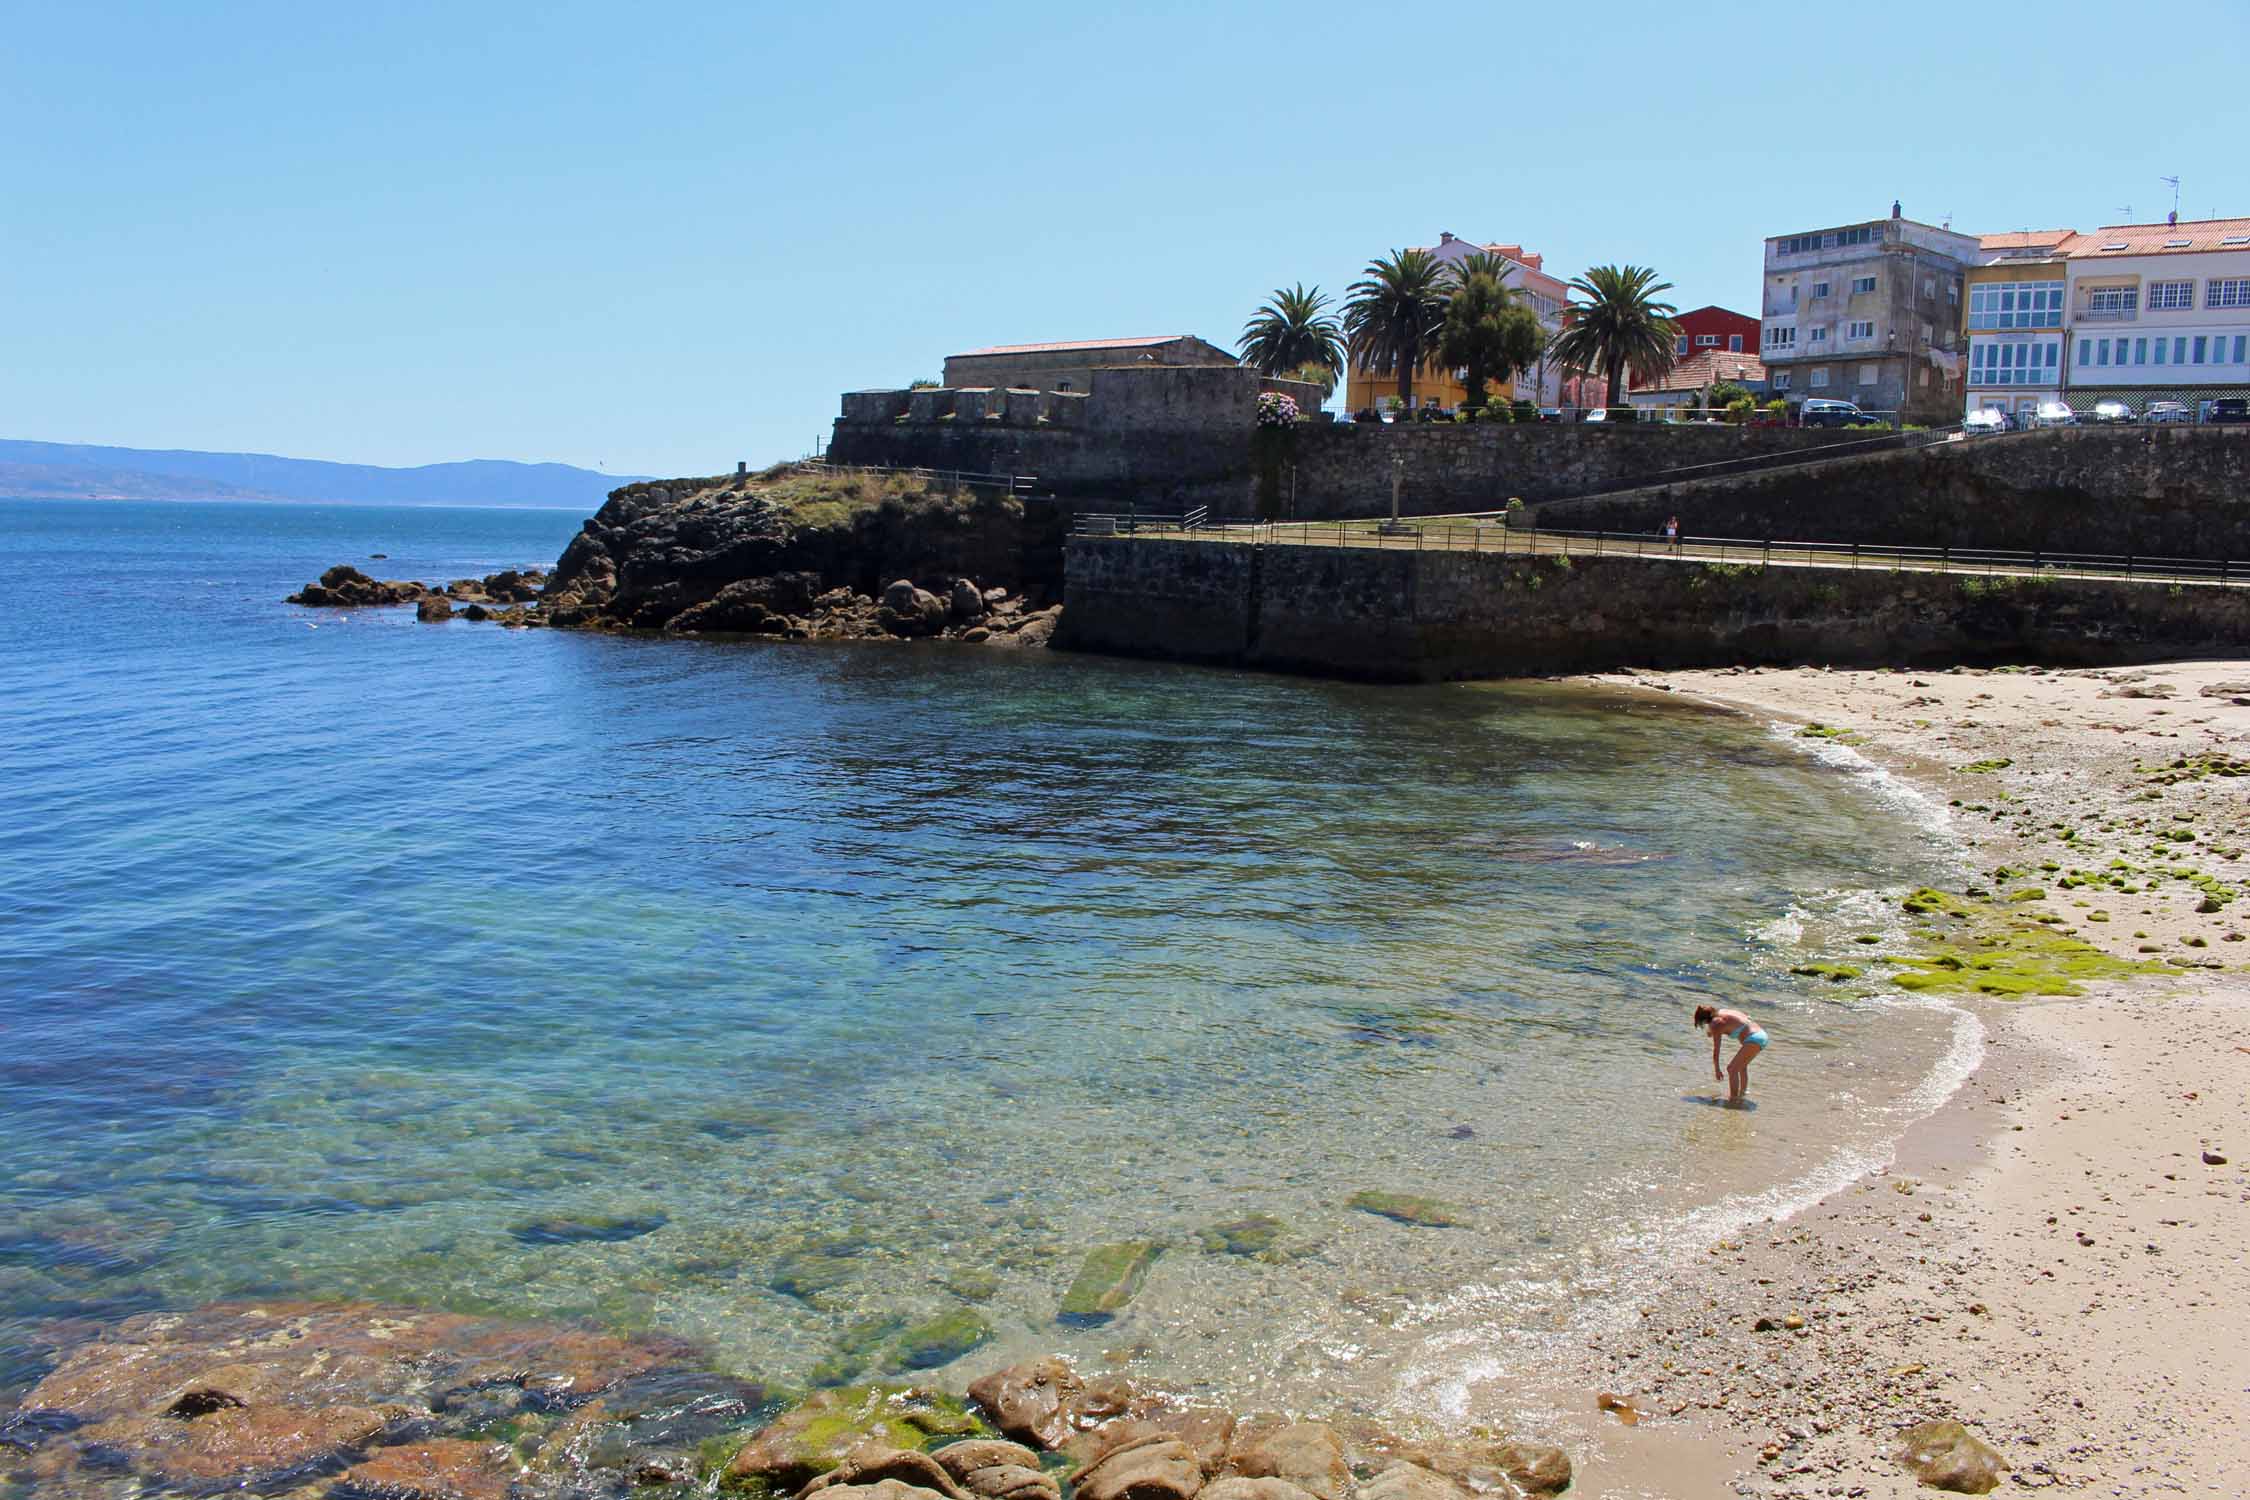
(1156,1467)
(1026,1401)
(808,1440)
(1405,1208)
(1307,1454)
(942,1340)
(433,609)
(1255,1235)
(1110,1277)
(1945,1455)
(967,601)
(1405,1481)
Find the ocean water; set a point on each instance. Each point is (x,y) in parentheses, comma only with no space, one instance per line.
(627,979)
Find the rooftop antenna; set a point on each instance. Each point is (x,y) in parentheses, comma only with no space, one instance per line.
(2175,183)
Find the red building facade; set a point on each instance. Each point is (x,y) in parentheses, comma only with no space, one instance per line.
(1716,328)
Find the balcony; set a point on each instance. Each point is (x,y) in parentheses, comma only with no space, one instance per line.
(2109,315)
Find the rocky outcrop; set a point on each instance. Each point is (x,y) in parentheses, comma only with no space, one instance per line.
(346,587)
(364,1401)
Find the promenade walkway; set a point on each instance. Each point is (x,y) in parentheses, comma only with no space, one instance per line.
(1489,533)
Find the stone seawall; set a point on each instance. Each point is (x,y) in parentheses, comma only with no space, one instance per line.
(2151,491)
(1428,616)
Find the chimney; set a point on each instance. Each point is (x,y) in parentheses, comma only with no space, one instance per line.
(2172,219)
(1445,237)
(1894,208)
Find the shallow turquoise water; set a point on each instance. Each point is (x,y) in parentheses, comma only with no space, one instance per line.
(336,951)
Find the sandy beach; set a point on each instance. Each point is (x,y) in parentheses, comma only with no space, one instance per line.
(2057,1256)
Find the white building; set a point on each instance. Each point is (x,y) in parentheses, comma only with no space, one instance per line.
(2136,313)
(2159,312)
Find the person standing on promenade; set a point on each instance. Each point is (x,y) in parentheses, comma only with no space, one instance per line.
(1723,1024)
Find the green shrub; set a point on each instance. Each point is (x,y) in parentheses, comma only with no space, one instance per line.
(1738,410)
(1623,414)
(1525,411)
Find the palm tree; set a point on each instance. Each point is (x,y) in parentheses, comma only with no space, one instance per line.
(1619,326)
(1488,332)
(1292,331)
(1392,316)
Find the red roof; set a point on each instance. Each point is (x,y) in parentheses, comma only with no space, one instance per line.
(1074,344)
(1707,367)
(2025,239)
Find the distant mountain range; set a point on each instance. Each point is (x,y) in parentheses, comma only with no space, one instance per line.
(73,471)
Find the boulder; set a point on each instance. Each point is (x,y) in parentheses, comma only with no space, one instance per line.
(1405,1481)
(816,1435)
(872,1465)
(433,609)
(1307,1454)
(1947,1456)
(1479,1464)
(884,1489)
(1108,1279)
(1235,1487)
(966,602)
(992,1469)
(976,635)
(1208,1430)
(1025,1401)
(346,587)
(1150,1468)
(942,1339)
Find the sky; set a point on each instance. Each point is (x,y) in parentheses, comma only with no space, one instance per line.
(663,238)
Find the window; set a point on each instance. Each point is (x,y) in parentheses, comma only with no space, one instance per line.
(2198,350)
(1781,336)
(1819,377)
(1861,285)
(2179,351)
(1861,330)
(2086,351)
(1953,291)
(1868,374)
(2238,342)
(1929,334)
(1819,336)
(1683,344)
(2101,351)
(2140,351)
(2232,291)
(1734,343)
(1924,373)
(2161,346)
(2113,301)
(1706,341)
(1819,289)
(1929,286)
(2016,304)
(1781,380)
(1864,235)
(2165,296)
(2014,362)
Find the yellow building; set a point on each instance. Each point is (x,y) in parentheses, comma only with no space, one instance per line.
(1541,385)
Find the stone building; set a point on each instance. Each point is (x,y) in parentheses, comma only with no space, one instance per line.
(1070,366)
(1869,313)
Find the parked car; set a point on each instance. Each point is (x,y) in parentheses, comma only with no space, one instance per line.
(1550,414)
(1990,419)
(2054,414)
(2167,411)
(2113,410)
(1820,412)
(1596,414)
(2229,409)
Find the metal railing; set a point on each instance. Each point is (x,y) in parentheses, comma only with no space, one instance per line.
(1140,522)
(1884,442)
(1013,484)
(1482,535)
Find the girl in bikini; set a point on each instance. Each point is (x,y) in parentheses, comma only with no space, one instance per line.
(1723,1024)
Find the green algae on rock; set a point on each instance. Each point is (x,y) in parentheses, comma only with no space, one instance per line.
(1110,1277)
(859,1348)
(1405,1208)
(942,1339)
(2003,954)
(1831,732)
(813,1269)
(1833,973)
(1257,1234)
(812,1438)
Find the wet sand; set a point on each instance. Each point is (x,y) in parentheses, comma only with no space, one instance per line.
(2051,1259)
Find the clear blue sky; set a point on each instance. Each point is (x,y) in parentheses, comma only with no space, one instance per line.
(660,238)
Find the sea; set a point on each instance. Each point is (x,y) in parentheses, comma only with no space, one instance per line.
(623,979)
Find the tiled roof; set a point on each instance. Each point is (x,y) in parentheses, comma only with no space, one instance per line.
(1708,367)
(1075,344)
(2184,238)
(1713,307)
(2025,239)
